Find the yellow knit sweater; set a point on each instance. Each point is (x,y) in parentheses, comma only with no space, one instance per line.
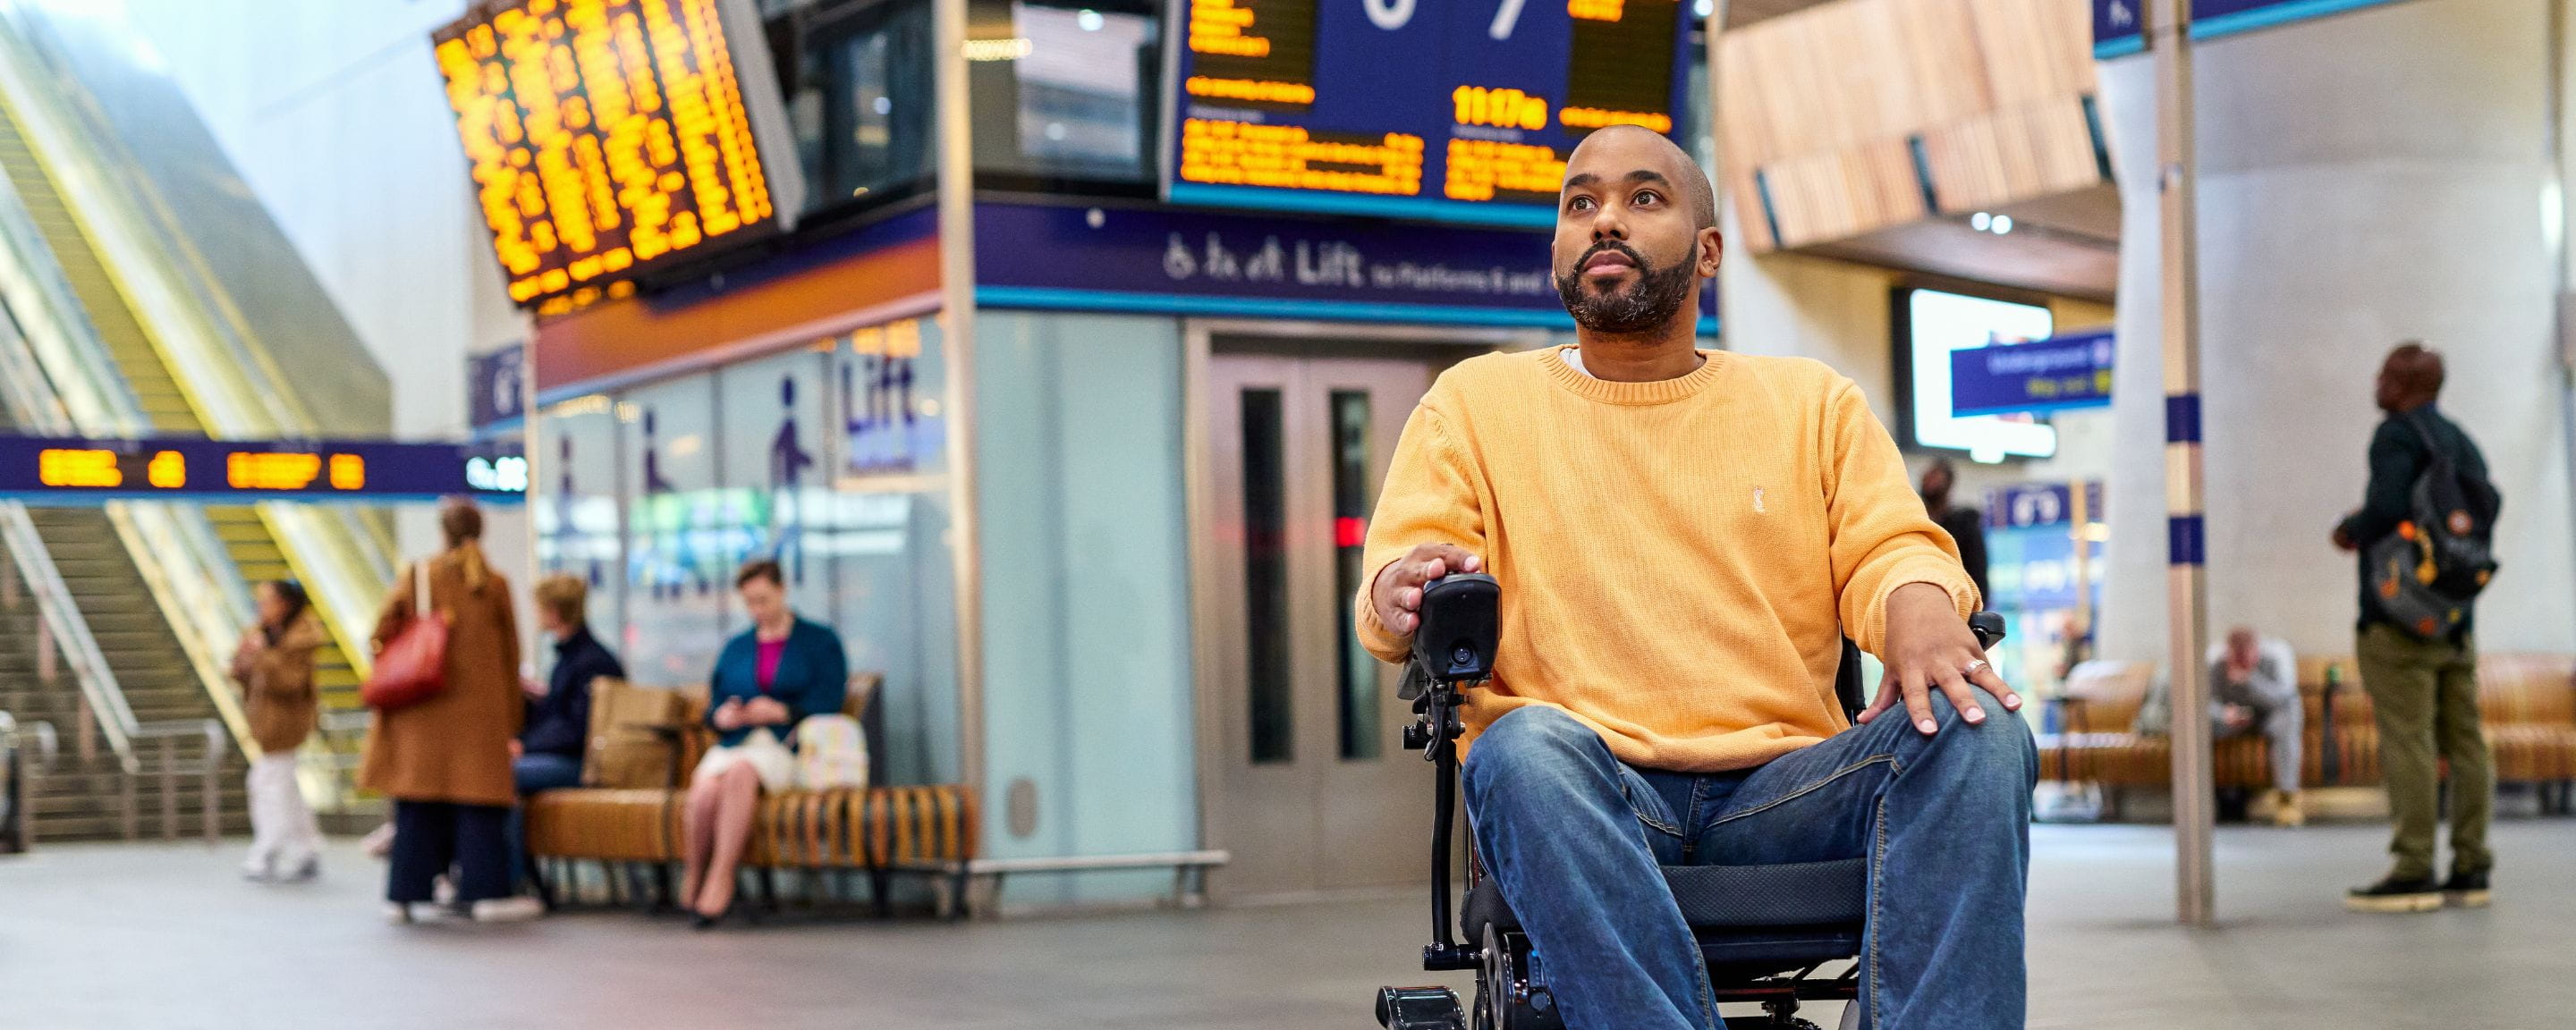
(1679,559)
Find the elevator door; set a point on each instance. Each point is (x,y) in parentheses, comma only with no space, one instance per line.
(1316,792)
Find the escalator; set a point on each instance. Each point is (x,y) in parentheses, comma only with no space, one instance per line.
(79,798)
(133,621)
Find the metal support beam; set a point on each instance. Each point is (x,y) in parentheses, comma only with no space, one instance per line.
(956,189)
(2169,39)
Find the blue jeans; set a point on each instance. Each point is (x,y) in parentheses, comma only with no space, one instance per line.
(535,772)
(1574,838)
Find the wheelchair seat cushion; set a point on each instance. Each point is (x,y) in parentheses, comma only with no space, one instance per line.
(1726,897)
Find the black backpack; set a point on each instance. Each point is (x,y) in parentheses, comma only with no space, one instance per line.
(2442,555)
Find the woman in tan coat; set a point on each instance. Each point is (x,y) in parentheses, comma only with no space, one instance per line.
(445,761)
(274,666)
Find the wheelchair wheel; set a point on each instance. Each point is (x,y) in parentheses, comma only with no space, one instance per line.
(1505,999)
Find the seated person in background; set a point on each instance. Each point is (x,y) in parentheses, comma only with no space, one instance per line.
(2253,688)
(768,679)
(549,751)
(1683,538)
(548,754)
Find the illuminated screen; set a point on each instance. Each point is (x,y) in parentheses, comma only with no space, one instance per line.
(1934,324)
(606,136)
(47,468)
(1410,107)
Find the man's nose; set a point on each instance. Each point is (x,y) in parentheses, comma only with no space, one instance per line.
(1609,224)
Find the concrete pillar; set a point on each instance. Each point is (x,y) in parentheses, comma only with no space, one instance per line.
(2366,178)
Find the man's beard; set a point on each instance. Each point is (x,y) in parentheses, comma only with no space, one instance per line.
(1657,295)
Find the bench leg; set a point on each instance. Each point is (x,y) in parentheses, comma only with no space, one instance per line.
(881,891)
(769,890)
(960,883)
(537,881)
(665,897)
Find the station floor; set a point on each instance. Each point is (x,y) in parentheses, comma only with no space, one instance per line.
(164,937)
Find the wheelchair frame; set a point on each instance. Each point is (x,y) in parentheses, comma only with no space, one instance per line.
(1453,650)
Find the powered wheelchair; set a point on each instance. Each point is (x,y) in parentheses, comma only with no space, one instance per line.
(1767,931)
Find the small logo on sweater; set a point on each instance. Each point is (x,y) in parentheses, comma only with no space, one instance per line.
(1757,500)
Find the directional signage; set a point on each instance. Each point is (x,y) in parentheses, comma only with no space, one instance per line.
(2046,375)
(2117,23)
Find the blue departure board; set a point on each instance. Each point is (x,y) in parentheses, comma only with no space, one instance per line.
(1462,110)
(65,470)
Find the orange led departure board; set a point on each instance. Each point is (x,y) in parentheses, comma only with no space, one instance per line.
(55,470)
(606,137)
(1453,110)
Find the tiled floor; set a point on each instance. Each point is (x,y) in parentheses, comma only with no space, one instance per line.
(165,938)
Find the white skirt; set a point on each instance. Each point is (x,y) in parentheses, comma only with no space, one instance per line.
(761,750)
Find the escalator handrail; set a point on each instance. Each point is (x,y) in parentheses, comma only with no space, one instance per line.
(62,619)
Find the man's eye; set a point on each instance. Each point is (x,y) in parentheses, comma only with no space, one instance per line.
(1579,204)
(1647,198)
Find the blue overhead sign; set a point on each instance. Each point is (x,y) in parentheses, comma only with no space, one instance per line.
(2117,23)
(1184,261)
(62,470)
(2046,375)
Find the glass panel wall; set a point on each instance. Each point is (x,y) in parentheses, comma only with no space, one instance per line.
(1088,704)
(677,561)
(1068,98)
(830,458)
(578,520)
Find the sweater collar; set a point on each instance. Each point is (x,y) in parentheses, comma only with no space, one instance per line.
(1662,391)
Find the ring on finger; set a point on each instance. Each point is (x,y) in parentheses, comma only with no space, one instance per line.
(1975,667)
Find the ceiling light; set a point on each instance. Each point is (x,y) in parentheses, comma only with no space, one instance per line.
(2003,224)
(1980,221)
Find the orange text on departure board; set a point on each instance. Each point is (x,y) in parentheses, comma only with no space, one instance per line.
(1595,118)
(1505,108)
(601,134)
(168,470)
(69,467)
(271,470)
(1597,10)
(1477,168)
(1290,157)
(1224,27)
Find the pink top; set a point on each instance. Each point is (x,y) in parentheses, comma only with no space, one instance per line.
(767,670)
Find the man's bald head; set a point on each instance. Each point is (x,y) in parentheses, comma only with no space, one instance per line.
(1693,179)
(1634,235)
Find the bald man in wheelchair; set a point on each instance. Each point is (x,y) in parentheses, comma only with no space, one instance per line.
(1683,539)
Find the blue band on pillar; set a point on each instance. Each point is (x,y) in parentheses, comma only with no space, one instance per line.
(2184,543)
(2182,418)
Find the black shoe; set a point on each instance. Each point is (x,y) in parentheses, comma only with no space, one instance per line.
(2394,895)
(2466,890)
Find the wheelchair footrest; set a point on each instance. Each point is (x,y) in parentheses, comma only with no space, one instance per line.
(1420,1008)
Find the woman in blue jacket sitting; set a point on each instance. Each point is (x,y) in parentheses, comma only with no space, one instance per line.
(767,680)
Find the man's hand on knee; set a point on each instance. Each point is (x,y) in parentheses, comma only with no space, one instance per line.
(1930,648)
(1397,594)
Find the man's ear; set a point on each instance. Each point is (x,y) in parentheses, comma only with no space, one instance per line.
(1711,251)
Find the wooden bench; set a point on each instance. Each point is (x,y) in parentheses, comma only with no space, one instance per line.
(881,831)
(2527,703)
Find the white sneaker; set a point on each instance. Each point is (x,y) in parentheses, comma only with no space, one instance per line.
(418,912)
(508,910)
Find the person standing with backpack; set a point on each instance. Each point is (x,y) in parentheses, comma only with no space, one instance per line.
(2423,534)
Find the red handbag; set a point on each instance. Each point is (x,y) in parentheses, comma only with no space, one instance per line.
(412,668)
